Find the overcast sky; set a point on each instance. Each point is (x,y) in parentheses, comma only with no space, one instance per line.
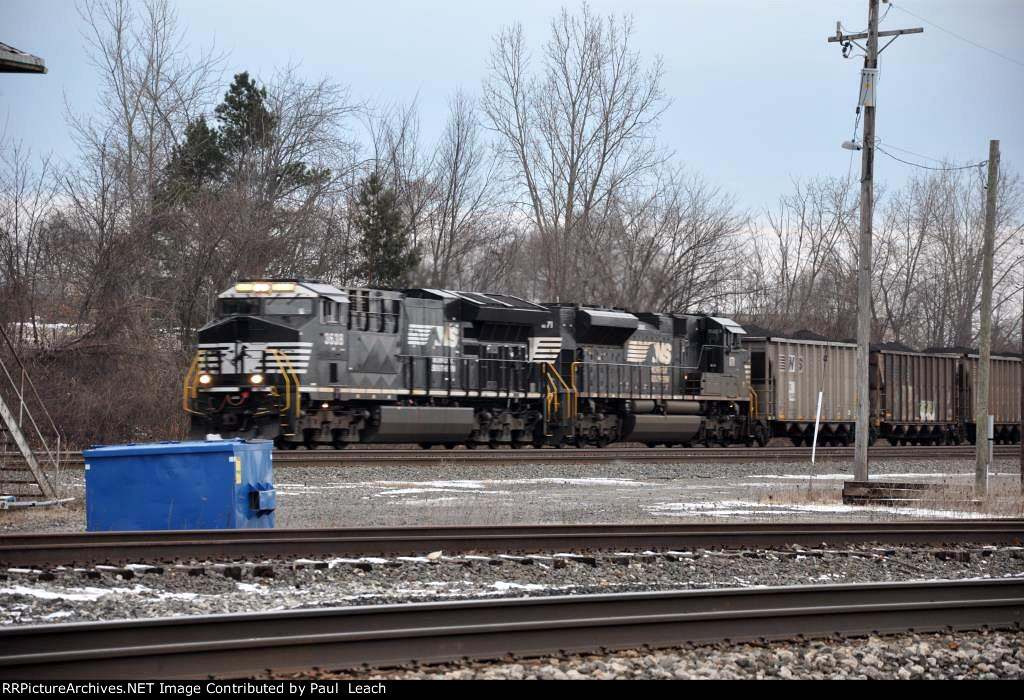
(758,96)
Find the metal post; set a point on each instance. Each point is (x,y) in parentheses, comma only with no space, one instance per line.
(817,420)
(981,442)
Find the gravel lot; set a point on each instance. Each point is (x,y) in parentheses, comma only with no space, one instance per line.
(455,494)
(105,593)
(973,655)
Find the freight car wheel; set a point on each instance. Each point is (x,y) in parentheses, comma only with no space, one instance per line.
(426,445)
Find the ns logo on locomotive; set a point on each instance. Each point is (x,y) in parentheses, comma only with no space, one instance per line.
(307,363)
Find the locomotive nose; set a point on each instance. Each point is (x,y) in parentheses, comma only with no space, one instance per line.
(247,329)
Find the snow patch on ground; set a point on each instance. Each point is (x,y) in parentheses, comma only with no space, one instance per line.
(717,508)
(86,594)
(507,586)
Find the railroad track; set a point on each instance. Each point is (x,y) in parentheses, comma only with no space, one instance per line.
(387,635)
(435,457)
(47,550)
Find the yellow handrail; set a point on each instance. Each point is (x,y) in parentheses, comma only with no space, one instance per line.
(552,395)
(753,403)
(295,379)
(564,385)
(189,388)
(287,380)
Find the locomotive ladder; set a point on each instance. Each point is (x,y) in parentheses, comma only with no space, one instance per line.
(22,475)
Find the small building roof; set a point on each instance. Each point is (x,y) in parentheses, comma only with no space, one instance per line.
(13,60)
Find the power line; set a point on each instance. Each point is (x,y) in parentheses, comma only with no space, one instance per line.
(884,15)
(856,123)
(904,150)
(959,36)
(928,167)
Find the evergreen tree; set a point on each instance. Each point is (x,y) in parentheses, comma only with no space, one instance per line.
(212,157)
(246,123)
(388,257)
(195,164)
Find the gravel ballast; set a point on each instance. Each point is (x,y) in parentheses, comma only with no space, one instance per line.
(106,593)
(987,655)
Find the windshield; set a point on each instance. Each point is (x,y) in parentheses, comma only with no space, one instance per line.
(239,307)
(288,307)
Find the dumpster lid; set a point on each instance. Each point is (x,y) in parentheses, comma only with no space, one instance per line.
(169,447)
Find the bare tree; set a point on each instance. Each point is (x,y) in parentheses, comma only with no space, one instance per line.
(673,246)
(573,134)
(800,261)
(26,204)
(464,215)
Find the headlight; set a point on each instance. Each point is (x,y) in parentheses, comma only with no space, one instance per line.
(325,405)
(205,379)
(256,379)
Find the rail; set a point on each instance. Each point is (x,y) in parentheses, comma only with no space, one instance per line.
(366,454)
(58,549)
(387,635)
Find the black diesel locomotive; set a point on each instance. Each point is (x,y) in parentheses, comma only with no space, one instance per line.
(307,363)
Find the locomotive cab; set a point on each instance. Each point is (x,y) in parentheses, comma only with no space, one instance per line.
(254,356)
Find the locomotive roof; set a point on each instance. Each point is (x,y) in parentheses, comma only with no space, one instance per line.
(284,287)
(502,301)
(729,325)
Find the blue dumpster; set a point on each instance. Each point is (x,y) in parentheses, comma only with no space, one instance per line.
(199,485)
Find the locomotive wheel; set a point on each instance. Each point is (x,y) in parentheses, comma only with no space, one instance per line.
(516,445)
(470,445)
(494,444)
(449,446)
(426,445)
(761,436)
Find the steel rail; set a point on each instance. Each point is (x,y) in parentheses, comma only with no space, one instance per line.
(659,455)
(83,548)
(386,635)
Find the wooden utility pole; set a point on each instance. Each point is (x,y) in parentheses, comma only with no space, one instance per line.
(867,193)
(982,440)
(869,77)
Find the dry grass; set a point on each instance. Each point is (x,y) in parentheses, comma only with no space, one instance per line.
(1004,499)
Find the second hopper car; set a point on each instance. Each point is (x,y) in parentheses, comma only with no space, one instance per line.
(917,398)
